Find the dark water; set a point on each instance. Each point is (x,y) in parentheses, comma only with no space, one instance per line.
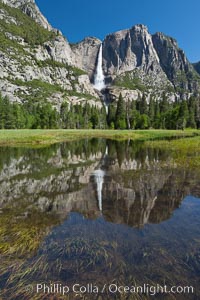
(97,215)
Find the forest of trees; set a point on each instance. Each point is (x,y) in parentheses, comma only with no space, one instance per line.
(136,114)
(161,114)
(43,116)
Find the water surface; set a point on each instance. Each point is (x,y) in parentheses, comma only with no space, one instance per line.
(97,212)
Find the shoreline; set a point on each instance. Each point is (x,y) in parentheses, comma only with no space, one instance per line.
(21,137)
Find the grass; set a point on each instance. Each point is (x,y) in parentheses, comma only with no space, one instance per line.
(185,152)
(186,144)
(47,137)
(22,238)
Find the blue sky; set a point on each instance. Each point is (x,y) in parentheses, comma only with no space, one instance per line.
(80,18)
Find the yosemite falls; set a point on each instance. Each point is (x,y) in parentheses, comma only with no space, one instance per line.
(99,82)
(99,78)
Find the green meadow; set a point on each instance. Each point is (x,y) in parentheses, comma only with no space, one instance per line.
(42,137)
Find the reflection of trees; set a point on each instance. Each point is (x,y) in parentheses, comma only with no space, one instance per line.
(130,150)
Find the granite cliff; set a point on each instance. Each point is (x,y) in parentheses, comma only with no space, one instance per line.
(30,8)
(36,59)
(136,61)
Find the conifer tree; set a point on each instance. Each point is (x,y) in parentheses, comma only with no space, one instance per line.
(64,114)
(183,114)
(151,112)
(111,115)
(120,117)
(143,107)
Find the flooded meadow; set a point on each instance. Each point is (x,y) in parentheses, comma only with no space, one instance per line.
(96,218)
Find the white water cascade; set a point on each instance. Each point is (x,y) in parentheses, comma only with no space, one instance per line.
(99,179)
(99,80)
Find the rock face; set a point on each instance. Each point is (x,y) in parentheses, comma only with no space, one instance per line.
(86,53)
(59,50)
(43,58)
(154,61)
(130,56)
(30,8)
(134,61)
(174,63)
(127,50)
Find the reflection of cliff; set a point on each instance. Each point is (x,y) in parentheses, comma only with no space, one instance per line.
(152,198)
(138,186)
(45,180)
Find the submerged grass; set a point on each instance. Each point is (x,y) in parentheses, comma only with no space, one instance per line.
(20,236)
(185,152)
(42,137)
(69,258)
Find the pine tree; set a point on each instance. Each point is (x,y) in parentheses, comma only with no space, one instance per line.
(191,119)
(128,109)
(151,112)
(157,116)
(120,117)
(102,118)
(143,107)
(134,115)
(94,120)
(18,115)
(143,122)
(87,115)
(9,121)
(183,115)
(64,114)
(111,115)
(164,104)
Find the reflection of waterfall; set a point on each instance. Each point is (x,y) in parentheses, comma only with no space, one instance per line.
(99,179)
(99,83)
(106,153)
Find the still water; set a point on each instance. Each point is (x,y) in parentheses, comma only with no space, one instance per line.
(95,219)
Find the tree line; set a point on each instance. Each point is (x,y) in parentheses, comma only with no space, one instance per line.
(32,115)
(160,114)
(137,114)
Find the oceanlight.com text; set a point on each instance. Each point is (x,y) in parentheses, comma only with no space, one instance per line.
(147,289)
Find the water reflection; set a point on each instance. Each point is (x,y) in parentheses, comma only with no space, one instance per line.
(99,179)
(61,206)
(136,185)
(80,176)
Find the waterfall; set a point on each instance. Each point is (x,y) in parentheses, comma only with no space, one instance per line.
(99,179)
(99,82)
